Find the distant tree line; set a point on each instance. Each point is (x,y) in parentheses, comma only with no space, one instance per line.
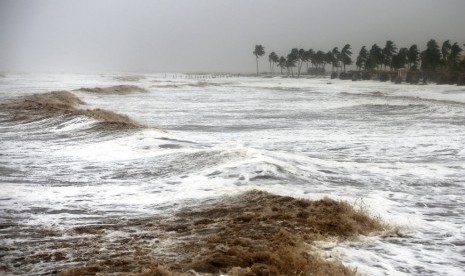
(434,59)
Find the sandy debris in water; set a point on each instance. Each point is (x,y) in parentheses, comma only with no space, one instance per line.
(60,103)
(114,90)
(256,233)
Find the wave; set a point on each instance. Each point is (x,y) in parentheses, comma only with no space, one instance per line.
(113,90)
(377,94)
(386,108)
(195,84)
(204,84)
(129,78)
(60,103)
(111,117)
(167,86)
(255,233)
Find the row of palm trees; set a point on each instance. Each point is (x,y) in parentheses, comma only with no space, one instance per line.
(433,58)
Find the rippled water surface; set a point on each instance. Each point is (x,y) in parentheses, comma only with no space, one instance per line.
(398,150)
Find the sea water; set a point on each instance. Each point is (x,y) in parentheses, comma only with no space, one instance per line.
(398,151)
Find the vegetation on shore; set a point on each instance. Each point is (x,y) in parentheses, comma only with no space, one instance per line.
(443,64)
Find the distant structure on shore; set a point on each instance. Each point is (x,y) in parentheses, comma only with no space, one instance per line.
(443,65)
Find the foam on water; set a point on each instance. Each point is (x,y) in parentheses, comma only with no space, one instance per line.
(397,150)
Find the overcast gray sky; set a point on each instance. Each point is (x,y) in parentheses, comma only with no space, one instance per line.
(206,35)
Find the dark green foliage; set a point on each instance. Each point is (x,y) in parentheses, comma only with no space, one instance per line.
(302,57)
(272,58)
(375,57)
(335,58)
(320,58)
(445,51)
(345,76)
(387,53)
(292,58)
(453,60)
(439,64)
(258,52)
(362,58)
(400,59)
(413,57)
(282,63)
(413,77)
(383,76)
(345,56)
(431,57)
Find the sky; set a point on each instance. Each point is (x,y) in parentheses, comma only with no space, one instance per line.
(97,36)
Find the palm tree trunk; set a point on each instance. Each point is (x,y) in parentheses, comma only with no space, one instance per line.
(257,65)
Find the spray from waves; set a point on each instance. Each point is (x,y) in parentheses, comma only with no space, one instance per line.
(60,103)
(113,90)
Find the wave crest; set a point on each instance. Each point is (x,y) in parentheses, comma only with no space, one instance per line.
(113,90)
(59,103)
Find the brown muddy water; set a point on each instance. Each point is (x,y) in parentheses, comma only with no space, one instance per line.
(255,233)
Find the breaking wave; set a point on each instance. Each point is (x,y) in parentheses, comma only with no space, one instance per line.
(129,78)
(193,84)
(114,90)
(59,103)
(377,94)
(254,233)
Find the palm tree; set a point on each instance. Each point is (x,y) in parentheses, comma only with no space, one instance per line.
(258,52)
(320,58)
(345,56)
(375,57)
(453,56)
(431,57)
(335,58)
(310,55)
(307,57)
(292,57)
(301,56)
(413,57)
(400,59)
(282,63)
(445,51)
(362,58)
(329,58)
(272,58)
(388,51)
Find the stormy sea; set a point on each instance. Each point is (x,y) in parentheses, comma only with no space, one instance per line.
(85,160)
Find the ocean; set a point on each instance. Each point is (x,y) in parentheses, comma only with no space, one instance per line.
(398,151)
